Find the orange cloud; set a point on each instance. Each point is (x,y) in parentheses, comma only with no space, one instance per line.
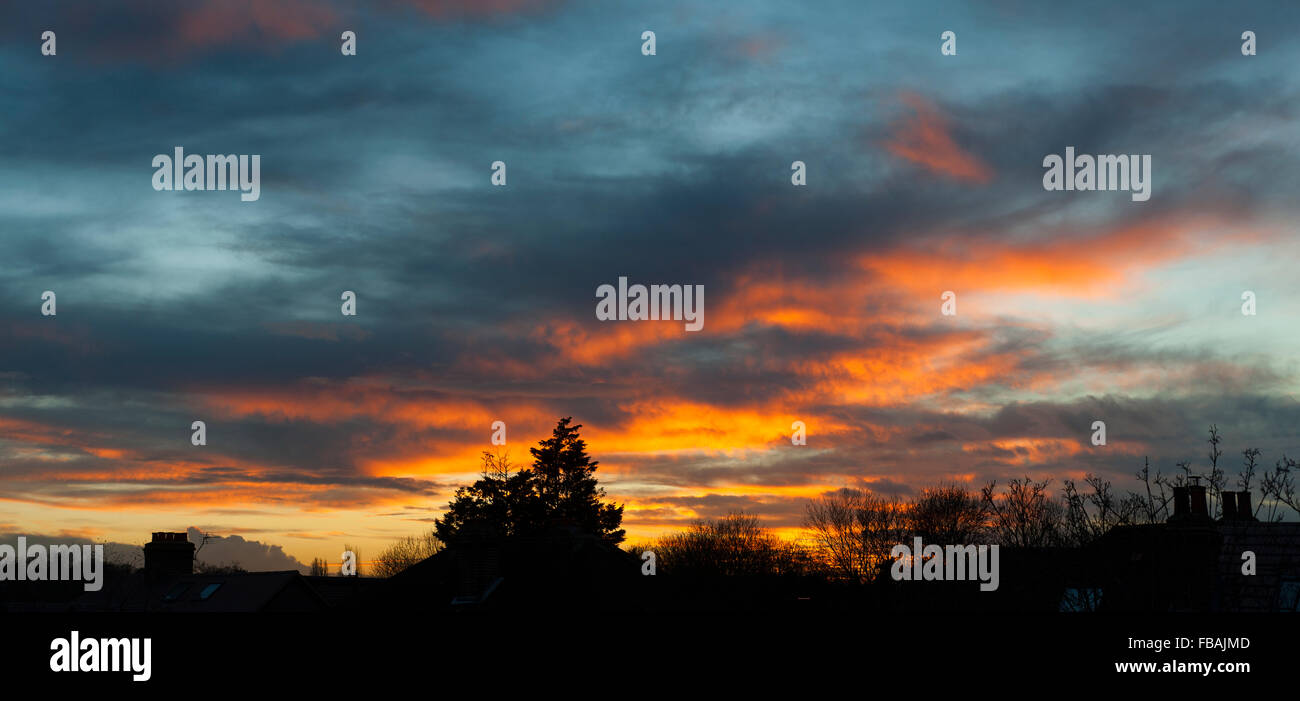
(902,374)
(1078,264)
(884,355)
(874,305)
(387,401)
(925,141)
(465,424)
(583,345)
(663,425)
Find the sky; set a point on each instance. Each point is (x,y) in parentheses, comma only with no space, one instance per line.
(476,303)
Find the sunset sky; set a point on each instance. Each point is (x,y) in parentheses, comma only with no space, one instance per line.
(476,303)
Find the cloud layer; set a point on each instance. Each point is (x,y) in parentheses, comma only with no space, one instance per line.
(476,303)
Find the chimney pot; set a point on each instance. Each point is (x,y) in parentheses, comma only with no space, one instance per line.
(169,554)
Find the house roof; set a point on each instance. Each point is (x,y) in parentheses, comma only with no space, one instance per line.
(1198,566)
(214,593)
(1276,547)
(490,571)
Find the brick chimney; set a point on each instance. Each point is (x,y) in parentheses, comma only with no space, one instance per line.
(1182,504)
(1196,492)
(169,554)
(1189,505)
(1229,501)
(1244,510)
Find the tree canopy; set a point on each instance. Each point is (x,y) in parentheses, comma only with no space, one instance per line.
(560,488)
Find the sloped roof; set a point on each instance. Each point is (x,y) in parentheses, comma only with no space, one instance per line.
(1277,557)
(1197,566)
(245,591)
(215,593)
(543,571)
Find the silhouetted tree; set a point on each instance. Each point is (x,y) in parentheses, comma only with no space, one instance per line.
(319,568)
(1025,515)
(1091,513)
(1249,461)
(1278,488)
(565,483)
(734,545)
(1156,496)
(883,523)
(559,488)
(404,553)
(854,531)
(227,568)
(126,558)
(949,514)
(502,503)
(837,531)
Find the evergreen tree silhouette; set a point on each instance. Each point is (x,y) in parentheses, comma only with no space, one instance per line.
(559,489)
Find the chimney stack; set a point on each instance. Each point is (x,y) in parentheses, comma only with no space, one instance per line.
(1182,508)
(1197,494)
(169,554)
(1229,501)
(1244,512)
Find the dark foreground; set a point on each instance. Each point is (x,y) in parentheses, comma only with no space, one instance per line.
(611,655)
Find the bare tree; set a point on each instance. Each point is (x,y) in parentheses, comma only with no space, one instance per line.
(1278,488)
(948,514)
(496,466)
(837,531)
(1157,494)
(883,523)
(405,552)
(734,545)
(1025,515)
(206,538)
(126,558)
(1091,513)
(854,531)
(232,567)
(1216,480)
(1249,461)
